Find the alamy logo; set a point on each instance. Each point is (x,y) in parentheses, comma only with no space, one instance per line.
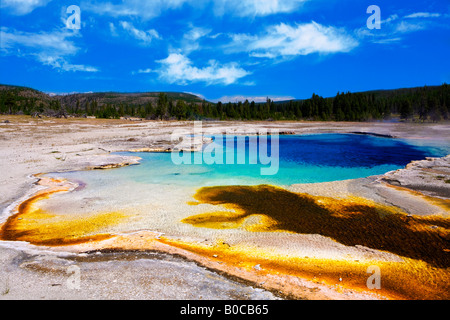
(74,20)
(374,281)
(374,21)
(223,148)
(73,282)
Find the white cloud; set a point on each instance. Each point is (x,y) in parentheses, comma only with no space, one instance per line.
(113,30)
(62,64)
(216,35)
(387,40)
(49,48)
(283,40)
(134,8)
(423,15)
(394,28)
(253,8)
(404,27)
(145,37)
(143,71)
(392,17)
(191,39)
(22,7)
(53,42)
(196,94)
(150,9)
(196,33)
(179,69)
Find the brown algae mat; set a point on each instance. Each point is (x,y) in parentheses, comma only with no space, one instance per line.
(423,242)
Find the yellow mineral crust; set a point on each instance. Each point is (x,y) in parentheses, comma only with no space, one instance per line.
(33,225)
(409,279)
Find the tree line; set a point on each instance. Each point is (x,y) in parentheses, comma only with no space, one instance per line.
(418,104)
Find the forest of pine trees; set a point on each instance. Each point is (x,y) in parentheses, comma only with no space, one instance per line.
(418,104)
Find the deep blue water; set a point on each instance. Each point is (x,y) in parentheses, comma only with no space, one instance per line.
(350,151)
(302,159)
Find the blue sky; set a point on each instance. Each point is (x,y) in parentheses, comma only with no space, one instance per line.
(224,49)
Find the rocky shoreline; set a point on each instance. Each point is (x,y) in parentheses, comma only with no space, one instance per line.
(430,177)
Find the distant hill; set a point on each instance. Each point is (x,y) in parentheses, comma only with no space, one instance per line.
(23,96)
(134,98)
(381,93)
(24,100)
(115,98)
(390,93)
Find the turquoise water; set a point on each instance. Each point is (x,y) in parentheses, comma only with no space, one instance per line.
(302,159)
